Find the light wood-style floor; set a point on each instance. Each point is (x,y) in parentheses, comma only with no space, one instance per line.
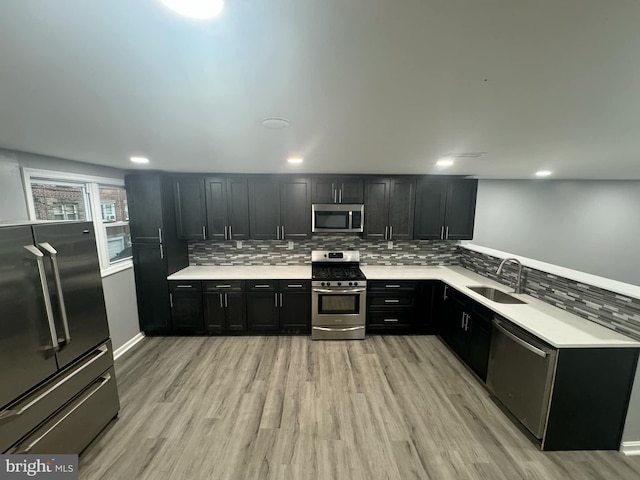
(289,408)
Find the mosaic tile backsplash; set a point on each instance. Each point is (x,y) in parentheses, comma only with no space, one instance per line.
(609,309)
(277,252)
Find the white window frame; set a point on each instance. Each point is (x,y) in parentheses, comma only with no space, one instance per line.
(92,185)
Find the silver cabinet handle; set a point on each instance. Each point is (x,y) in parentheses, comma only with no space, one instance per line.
(392,286)
(444,295)
(275,300)
(53,255)
(184,286)
(262,286)
(391,232)
(355,290)
(520,341)
(230,233)
(19,409)
(466,322)
(341,193)
(45,293)
(335,193)
(348,329)
(282,227)
(226,300)
(294,285)
(171,300)
(221,305)
(386,230)
(204,232)
(280,300)
(391,300)
(226,285)
(225,232)
(390,319)
(160,234)
(161,251)
(462,320)
(97,385)
(446,235)
(442,232)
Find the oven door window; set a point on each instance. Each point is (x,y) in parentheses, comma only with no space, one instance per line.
(339,304)
(332,220)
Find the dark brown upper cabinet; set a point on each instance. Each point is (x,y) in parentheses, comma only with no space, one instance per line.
(227,208)
(343,189)
(445,208)
(191,207)
(389,207)
(280,207)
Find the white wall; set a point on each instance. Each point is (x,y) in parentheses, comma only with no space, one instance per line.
(590,226)
(119,288)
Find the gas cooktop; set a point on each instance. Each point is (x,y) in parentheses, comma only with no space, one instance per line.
(336,265)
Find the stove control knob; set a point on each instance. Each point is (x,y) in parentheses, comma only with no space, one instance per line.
(350,284)
(328,284)
(339,283)
(355,284)
(322,284)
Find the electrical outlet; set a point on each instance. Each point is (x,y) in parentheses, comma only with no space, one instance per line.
(290,245)
(239,244)
(390,244)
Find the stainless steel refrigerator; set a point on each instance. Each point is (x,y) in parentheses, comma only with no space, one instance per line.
(58,386)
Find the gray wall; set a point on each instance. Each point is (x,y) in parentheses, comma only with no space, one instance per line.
(119,288)
(590,226)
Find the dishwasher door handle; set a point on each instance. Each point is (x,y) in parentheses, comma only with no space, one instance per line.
(520,341)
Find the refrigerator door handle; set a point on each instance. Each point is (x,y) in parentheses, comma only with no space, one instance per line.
(53,255)
(45,292)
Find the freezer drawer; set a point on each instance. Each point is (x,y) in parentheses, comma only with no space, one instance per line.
(25,414)
(72,428)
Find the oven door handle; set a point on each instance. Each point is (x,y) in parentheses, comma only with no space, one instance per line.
(349,290)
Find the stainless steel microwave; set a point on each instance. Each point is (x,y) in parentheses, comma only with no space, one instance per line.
(337,218)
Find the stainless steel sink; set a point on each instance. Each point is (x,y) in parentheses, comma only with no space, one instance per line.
(495,295)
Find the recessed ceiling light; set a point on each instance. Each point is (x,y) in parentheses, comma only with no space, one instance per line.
(543,173)
(275,123)
(295,159)
(139,159)
(200,9)
(445,162)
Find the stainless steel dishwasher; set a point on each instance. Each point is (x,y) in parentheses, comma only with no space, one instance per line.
(520,374)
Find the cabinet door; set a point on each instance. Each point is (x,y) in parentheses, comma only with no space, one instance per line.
(402,193)
(351,189)
(186,313)
(262,312)
(430,209)
(324,190)
(217,219)
(264,207)
(461,209)
(152,289)
(238,207)
(425,298)
(214,312)
(376,208)
(295,208)
(479,344)
(191,209)
(454,333)
(144,197)
(235,304)
(295,312)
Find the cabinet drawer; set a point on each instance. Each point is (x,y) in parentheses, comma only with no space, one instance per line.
(295,285)
(391,285)
(261,285)
(224,286)
(389,319)
(176,286)
(391,301)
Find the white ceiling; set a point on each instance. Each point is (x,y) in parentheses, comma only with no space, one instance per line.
(370,86)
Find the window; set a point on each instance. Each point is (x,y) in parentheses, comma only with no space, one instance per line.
(67,197)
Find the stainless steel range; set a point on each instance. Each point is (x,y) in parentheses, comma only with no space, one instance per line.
(339,296)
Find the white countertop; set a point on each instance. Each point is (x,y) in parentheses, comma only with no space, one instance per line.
(551,324)
(255,272)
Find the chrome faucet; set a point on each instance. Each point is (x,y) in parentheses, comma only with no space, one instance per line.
(518,287)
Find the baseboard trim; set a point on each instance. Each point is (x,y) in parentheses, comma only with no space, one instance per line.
(118,352)
(630,448)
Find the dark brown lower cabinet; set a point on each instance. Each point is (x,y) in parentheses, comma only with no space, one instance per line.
(279,306)
(225,310)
